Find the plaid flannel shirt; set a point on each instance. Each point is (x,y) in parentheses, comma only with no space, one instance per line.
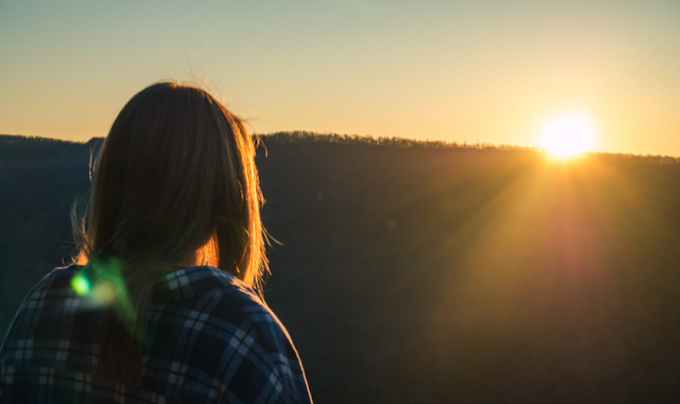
(213,341)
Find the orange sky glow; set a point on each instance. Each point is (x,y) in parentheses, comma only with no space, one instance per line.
(463,71)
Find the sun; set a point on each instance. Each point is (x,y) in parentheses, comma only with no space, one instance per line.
(568,134)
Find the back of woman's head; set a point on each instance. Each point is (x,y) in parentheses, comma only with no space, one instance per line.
(175,184)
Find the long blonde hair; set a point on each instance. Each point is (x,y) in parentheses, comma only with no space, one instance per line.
(175,184)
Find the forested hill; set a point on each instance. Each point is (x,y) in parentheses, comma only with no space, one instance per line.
(427,271)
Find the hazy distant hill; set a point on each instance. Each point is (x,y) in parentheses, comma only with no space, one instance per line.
(430,272)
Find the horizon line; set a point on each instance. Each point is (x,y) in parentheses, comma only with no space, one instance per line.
(366,139)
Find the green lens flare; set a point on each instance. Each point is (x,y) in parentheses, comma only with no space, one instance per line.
(108,289)
(80,284)
(111,288)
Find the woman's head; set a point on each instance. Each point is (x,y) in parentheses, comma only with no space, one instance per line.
(175,184)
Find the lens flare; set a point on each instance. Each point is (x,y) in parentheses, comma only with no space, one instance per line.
(80,284)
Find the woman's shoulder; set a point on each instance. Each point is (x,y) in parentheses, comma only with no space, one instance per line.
(209,292)
(197,282)
(228,295)
(54,285)
(223,312)
(57,279)
(64,273)
(268,354)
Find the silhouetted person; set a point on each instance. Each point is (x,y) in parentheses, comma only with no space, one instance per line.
(164,302)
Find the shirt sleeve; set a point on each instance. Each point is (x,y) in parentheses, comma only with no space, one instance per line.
(262,364)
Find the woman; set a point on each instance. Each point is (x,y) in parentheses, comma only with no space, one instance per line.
(165,302)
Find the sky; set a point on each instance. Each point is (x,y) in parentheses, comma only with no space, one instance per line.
(491,71)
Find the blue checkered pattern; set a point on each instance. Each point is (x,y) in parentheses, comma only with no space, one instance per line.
(213,341)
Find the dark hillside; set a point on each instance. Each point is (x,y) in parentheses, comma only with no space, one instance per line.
(413,272)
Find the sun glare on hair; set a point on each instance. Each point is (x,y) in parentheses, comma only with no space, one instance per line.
(568,134)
